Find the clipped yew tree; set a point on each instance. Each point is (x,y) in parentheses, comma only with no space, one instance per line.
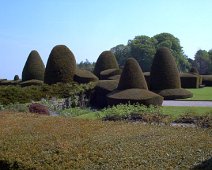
(84,76)
(106,61)
(61,66)
(164,76)
(133,88)
(34,67)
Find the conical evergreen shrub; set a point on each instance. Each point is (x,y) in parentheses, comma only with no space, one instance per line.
(132,87)
(34,67)
(61,65)
(164,76)
(132,76)
(106,61)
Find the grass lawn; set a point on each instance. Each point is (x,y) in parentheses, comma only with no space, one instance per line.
(201,94)
(46,142)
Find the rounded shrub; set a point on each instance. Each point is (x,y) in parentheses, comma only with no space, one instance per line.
(106,61)
(39,109)
(16,77)
(34,67)
(84,76)
(103,87)
(164,73)
(104,75)
(61,65)
(132,76)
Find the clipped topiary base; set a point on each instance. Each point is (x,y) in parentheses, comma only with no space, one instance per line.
(104,75)
(31,82)
(133,96)
(172,94)
(103,87)
(84,76)
(116,77)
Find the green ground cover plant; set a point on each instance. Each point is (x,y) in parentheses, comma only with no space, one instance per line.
(46,142)
(201,93)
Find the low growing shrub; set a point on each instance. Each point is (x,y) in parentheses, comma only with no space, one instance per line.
(38,108)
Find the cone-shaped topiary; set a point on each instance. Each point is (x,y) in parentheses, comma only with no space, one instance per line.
(164,72)
(105,61)
(61,65)
(132,87)
(84,76)
(164,76)
(132,76)
(34,67)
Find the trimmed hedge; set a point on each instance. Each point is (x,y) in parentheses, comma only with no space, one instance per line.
(147,78)
(207,80)
(31,83)
(84,76)
(132,76)
(189,80)
(99,96)
(106,61)
(104,75)
(164,72)
(116,77)
(61,66)
(134,96)
(172,94)
(34,67)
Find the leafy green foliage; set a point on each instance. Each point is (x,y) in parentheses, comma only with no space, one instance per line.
(14,94)
(61,65)
(34,67)
(105,61)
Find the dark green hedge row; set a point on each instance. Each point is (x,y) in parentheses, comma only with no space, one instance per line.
(190,80)
(207,80)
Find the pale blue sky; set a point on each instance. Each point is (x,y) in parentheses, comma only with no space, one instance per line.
(89,27)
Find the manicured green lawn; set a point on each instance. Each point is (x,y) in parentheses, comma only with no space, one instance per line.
(201,93)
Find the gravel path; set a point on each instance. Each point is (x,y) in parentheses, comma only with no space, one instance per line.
(187,103)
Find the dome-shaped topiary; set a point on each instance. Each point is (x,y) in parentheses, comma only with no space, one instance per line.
(164,76)
(84,76)
(34,67)
(132,76)
(61,65)
(106,61)
(164,73)
(16,77)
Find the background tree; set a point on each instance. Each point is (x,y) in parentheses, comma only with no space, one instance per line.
(202,61)
(86,65)
(143,49)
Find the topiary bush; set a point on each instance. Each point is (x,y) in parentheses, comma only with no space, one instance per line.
(164,76)
(103,87)
(189,80)
(84,76)
(207,80)
(132,87)
(106,61)
(38,108)
(147,78)
(132,76)
(61,65)
(104,75)
(31,83)
(34,67)
(16,77)
(164,72)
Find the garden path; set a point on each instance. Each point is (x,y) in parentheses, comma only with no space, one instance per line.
(187,103)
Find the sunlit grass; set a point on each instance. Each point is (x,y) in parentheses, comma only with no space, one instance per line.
(201,93)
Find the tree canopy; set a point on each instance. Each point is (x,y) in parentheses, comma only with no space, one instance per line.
(143,49)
